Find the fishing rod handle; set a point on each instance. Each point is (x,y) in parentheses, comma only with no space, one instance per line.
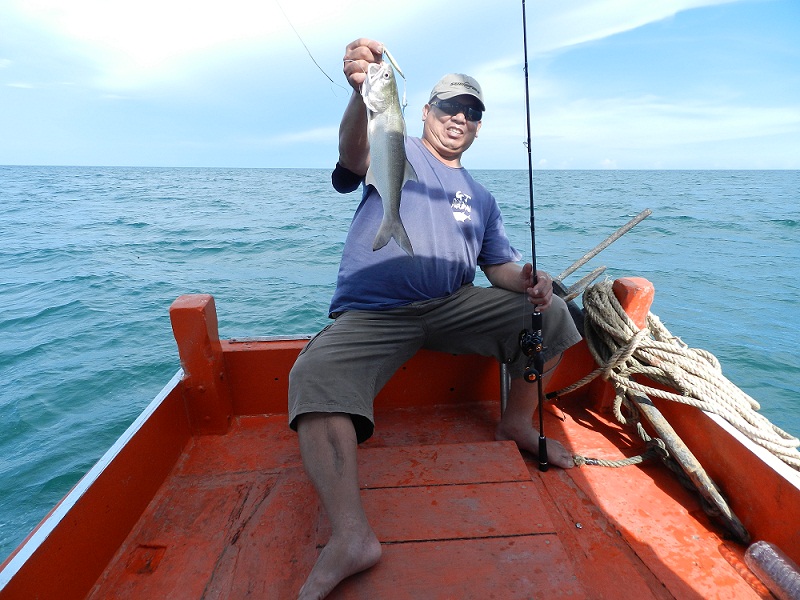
(543,464)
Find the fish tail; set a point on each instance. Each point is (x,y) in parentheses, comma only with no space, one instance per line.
(393,228)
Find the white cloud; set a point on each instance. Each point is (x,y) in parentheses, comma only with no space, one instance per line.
(647,122)
(608,163)
(560,25)
(152,29)
(632,132)
(136,43)
(139,43)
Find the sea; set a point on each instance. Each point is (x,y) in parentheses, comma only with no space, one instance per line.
(92,257)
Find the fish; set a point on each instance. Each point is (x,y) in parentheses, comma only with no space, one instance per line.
(389,169)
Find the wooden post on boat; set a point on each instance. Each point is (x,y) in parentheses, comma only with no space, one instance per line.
(206,394)
(635,295)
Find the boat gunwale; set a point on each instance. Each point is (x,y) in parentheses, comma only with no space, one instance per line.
(25,551)
(303,337)
(782,469)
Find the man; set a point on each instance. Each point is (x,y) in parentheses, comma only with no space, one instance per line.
(387,305)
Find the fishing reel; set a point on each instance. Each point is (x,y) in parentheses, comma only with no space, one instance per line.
(532,344)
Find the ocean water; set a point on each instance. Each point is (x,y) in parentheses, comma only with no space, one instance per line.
(91,258)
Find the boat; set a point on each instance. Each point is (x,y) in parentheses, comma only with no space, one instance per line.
(205,496)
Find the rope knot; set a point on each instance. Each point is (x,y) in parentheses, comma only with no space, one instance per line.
(657,446)
(623,351)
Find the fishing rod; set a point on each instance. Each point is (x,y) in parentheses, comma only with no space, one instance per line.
(531,340)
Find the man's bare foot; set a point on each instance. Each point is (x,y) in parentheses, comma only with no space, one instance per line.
(528,439)
(343,556)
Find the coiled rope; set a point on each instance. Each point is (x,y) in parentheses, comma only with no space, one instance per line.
(624,351)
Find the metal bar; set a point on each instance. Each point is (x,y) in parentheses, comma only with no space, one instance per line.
(505,386)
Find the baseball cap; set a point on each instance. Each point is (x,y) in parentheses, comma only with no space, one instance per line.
(458,84)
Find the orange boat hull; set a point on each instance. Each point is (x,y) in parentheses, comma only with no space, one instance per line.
(205,495)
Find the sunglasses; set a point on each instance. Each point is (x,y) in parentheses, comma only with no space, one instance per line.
(452,108)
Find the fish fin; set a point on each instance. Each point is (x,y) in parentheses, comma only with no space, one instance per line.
(410,174)
(369,178)
(393,229)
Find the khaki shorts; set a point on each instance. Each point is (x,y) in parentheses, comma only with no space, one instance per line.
(346,364)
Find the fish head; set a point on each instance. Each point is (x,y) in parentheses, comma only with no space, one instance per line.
(379,89)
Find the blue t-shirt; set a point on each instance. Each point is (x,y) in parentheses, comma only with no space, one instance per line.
(454,225)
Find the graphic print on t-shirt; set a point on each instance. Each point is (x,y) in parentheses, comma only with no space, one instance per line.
(461,207)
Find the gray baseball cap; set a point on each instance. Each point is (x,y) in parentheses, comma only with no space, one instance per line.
(457,84)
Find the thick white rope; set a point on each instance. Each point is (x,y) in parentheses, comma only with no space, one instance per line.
(623,350)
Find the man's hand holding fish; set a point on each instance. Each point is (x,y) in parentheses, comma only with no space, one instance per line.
(357,57)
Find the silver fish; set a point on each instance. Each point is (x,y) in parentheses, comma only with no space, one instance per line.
(388,167)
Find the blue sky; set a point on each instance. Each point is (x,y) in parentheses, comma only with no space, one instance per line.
(628,84)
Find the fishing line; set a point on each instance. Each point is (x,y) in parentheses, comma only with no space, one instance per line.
(285,16)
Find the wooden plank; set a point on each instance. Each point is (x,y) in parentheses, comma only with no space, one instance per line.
(229,536)
(263,443)
(441,464)
(514,568)
(455,512)
(450,491)
(435,424)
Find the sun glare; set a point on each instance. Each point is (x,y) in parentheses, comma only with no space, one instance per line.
(136,42)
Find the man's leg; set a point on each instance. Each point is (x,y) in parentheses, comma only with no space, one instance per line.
(516,422)
(328,447)
(332,385)
(487,321)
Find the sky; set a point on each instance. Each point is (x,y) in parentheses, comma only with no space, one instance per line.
(614,84)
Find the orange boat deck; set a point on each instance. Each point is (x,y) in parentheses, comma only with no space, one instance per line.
(206,497)
(459,515)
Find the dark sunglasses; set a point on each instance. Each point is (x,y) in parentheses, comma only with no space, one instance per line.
(452,108)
